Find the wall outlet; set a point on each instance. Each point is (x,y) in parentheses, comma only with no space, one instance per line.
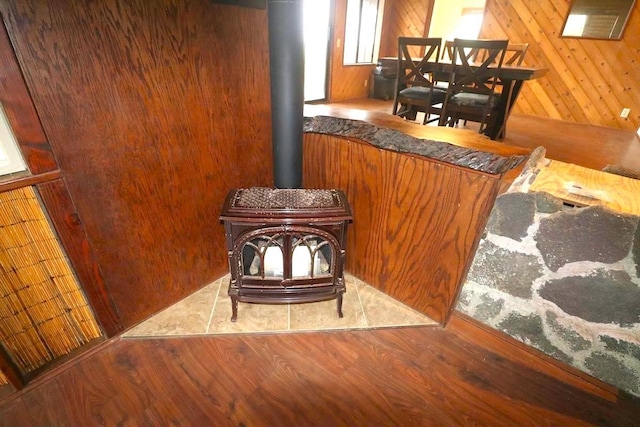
(365,82)
(625,113)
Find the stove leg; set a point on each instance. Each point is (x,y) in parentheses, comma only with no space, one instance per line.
(234,309)
(339,302)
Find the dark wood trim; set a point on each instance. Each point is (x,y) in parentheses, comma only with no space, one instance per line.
(10,370)
(59,364)
(70,232)
(63,365)
(256,4)
(28,179)
(21,113)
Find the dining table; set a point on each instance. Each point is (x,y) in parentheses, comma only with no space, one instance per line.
(512,77)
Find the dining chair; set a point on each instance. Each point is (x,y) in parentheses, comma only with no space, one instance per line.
(447,51)
(472,92)
(415,89)
(442,77)
(514,55)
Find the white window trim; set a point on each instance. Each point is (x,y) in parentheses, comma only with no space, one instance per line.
(10,157)
(376,40)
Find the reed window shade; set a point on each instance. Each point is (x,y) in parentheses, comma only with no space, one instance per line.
(43,312)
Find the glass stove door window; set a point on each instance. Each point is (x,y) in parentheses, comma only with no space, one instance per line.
(361,31)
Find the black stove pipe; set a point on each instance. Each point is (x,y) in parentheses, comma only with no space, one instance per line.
(286,57)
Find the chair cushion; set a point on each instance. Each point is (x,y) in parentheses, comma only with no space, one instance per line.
(474,99)
(422,93)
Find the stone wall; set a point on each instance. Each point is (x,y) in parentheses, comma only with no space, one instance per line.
(565,280)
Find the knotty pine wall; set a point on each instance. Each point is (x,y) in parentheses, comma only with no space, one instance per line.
(345,81)
(589,81)
(154,111)
(409,18)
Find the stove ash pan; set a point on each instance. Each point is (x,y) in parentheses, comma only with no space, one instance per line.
(285,245)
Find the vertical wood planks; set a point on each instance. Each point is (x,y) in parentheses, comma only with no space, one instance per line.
(416,222)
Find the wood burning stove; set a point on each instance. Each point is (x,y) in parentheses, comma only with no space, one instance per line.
(285,245)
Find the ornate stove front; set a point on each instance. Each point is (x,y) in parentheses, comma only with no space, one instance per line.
(285,245)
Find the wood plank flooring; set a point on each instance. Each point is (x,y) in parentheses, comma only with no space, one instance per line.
(419,376)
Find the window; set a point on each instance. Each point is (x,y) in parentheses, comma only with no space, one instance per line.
(362,31)
(10,158)
(469,24)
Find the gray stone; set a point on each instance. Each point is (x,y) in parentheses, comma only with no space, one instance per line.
(576,341)
(621,346)
(464,299)
(593,234)
(529,330)
(611,370)
(603,297)
(488,308)
(508,271)
(512,215)
(546,203)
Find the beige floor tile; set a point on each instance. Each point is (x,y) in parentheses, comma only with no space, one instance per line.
(383,311)
(187,317)
(324,315)
(251,317)
(208,311)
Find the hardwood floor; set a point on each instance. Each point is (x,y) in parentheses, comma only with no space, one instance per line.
(419,376)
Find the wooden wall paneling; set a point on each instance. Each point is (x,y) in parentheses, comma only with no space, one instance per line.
(416,222)
(604,58)
(404,18)
(584,69)
(556,88)
(589,81)
(556,107)
(20,111)
(565,83)
(388,38)
(67,224)
(618,87)
(155,110)
(532,98)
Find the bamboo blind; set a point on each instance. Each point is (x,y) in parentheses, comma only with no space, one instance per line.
(43,312)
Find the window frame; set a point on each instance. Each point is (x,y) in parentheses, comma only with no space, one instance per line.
(14,161)
(352,49)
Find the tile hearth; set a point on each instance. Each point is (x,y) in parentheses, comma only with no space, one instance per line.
(208,312)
